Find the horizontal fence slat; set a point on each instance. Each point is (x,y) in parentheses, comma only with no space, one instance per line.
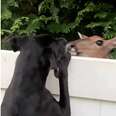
(88,77)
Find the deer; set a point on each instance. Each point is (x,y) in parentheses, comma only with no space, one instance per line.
(91,46)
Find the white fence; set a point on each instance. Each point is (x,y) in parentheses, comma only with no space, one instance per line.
(92,84)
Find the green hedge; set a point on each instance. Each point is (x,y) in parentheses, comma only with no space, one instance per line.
(61,17)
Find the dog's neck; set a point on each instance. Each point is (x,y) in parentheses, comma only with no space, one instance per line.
(31,75)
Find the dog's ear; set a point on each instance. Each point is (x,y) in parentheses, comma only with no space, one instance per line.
(16,42)
(63,66)
(60,58)
(60,64)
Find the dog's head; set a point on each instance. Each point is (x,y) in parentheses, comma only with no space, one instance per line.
(49,51)
(59,58)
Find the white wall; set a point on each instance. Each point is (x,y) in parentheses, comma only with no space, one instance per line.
(91,84)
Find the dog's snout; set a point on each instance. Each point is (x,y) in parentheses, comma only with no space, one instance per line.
(70,47)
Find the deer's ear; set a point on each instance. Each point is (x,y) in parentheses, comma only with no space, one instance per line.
(81,36)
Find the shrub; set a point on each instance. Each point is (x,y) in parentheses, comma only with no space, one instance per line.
(61,17)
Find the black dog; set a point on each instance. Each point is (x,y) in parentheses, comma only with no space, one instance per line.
(27,95)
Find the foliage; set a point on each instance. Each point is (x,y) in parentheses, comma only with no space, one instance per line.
(61,17)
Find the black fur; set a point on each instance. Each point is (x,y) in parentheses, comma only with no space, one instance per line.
(26,94)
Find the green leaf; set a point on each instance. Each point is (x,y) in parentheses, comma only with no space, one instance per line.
(6,14)
(5,11)
(58,28)
(5,31)
(33,26)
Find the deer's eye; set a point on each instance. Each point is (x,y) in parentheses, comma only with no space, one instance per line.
(99,42)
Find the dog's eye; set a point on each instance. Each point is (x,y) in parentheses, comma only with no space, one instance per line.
(99,42)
